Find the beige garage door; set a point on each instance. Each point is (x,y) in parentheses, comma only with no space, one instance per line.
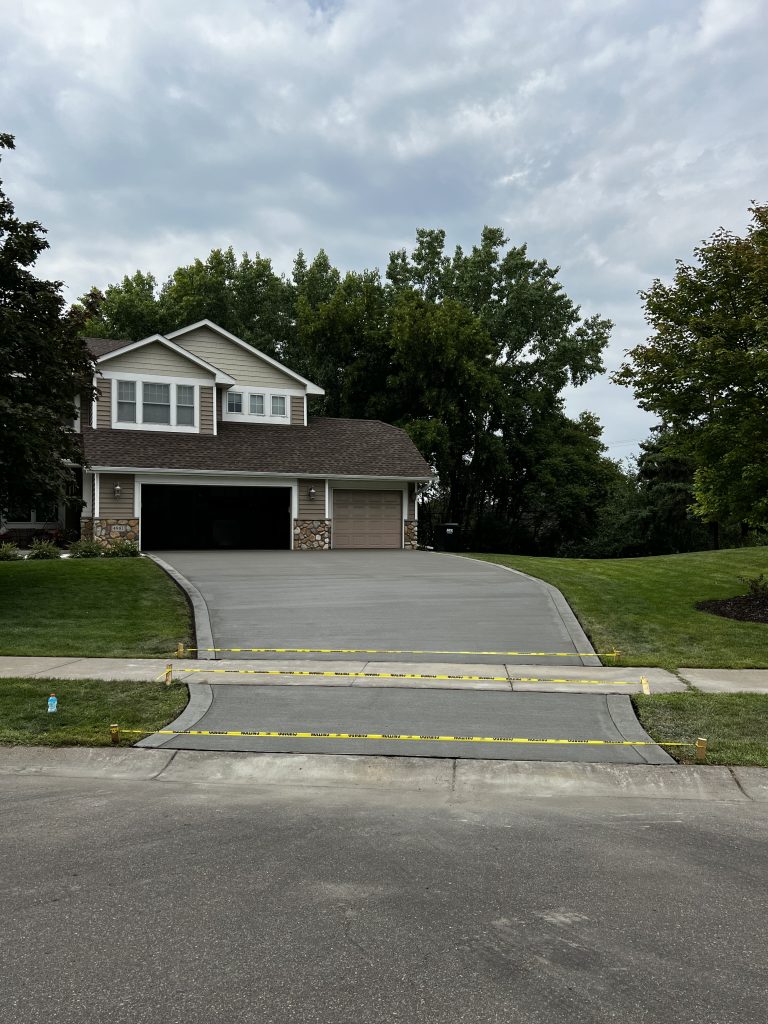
(367,519)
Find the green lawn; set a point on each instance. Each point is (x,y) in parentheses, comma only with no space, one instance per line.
(122,607)
(87,708)
(645,607)
(735,724)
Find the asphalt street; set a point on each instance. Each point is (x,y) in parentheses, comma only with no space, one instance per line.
(127,901)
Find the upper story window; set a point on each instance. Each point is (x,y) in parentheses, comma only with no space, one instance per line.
(250,404)
(155,404)
(185,405)
(126,401)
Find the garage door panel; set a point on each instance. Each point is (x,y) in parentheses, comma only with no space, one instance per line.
(367,519)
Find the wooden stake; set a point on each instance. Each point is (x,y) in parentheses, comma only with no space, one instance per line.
(180,650)
(701,750)
(168,674)
(114,731)
(645,685)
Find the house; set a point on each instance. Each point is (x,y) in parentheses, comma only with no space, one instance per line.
(198,440)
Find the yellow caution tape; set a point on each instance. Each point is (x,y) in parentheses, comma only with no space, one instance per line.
(403,675)
(368,650)
(402,737)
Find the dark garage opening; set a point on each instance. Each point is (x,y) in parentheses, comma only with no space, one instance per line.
(186,517)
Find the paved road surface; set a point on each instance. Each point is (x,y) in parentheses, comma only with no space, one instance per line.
(401,600)
(172,904)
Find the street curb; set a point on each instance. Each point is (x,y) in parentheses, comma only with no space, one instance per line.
(567,615)
(626,721)
(200,700)
(452,777)
(203,632)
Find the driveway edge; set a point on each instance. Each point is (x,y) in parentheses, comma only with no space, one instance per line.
(200,700)
(200,614)
(573,627)
(449,776)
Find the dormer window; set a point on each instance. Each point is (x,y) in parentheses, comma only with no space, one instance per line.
(279,405)
(257,405)
(234,402)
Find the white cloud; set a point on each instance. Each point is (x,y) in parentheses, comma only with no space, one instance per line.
(611,137)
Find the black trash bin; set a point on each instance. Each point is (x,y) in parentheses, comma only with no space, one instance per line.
(447,536)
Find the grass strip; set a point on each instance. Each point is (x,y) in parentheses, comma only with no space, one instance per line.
(87,707)
(645,607)
(99,608)
(735,724)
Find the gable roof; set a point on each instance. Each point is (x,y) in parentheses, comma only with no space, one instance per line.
(159,339)
(312,389)
(325,447)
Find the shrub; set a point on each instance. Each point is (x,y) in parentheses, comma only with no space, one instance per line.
(86,549)
(122,549)
(9,552)
(757,586)
(43,549)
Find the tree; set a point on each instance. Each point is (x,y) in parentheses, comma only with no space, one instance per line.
(704,371)
(44,365)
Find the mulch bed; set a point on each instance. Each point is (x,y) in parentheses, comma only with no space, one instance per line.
(745,609)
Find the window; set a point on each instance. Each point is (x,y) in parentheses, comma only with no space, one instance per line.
(185,405)
(278,405)
(126,401)
(234,401)
(257,405)
(156,399)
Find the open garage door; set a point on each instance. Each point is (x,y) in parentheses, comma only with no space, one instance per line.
(185,517)
(367,519)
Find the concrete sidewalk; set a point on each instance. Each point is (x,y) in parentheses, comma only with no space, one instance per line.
(494,675)
(359,672)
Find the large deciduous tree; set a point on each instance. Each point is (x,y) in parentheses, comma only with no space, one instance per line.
(704,370)
(44,365)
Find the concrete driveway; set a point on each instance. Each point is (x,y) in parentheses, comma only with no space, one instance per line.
(384,601)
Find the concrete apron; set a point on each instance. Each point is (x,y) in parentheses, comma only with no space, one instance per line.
(376,715)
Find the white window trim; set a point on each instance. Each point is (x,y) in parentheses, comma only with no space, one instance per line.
(143,378)
(246,416)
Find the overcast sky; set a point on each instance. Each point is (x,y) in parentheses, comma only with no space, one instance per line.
(610,135)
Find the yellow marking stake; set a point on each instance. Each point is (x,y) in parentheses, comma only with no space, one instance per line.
(645,685)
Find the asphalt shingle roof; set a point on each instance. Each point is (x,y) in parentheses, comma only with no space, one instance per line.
(99,347)
(325,447)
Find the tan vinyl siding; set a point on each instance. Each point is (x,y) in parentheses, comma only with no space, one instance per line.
(111,507)
(155,360)
(297,411)
(206,410)
(311,509)
(104,409)
(248,370)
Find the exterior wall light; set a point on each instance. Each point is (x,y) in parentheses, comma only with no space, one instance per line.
(311,493)
(116,490)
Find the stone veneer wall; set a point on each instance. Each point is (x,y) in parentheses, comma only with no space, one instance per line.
(311,534)
(107,530)
(411,535)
